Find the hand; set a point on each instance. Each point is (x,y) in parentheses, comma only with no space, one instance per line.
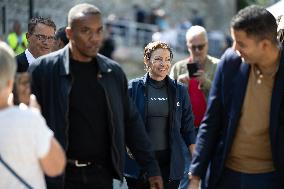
(194,182)
(191,149)
(11,99)
(183,78)
(156,182)
(200,76)
(32,101)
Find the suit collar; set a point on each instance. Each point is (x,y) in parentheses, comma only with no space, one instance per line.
(29,56)
(240,89)
(238,94)
(65,60)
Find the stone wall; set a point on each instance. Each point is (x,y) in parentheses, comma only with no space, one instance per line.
(217,14)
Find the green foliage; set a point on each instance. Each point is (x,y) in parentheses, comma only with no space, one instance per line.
(243,3)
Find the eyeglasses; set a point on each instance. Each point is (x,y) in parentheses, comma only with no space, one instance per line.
(44,37)
(197,47)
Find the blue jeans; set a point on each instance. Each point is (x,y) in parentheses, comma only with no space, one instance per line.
(184,182)
(237,180)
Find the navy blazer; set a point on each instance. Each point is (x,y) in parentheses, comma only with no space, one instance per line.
(219,125)
(22,62)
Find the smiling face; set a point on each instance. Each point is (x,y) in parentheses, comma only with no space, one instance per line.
(86,35)
(248,47)
(159,64)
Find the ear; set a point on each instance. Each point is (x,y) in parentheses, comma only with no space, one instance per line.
(10,84)
(28,36)
(147,62)
(265,44)
(69,33)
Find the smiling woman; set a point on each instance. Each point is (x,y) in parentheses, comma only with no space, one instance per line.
(157,60)
(156,97)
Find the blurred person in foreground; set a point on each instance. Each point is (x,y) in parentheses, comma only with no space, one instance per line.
(242,134)
(40,38)
(197,71)
(84,98)
(27,145)
(165,106)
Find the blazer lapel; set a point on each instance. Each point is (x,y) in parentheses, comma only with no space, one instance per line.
(277,95)
(239,91)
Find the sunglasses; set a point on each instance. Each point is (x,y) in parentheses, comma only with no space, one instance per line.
(197,47)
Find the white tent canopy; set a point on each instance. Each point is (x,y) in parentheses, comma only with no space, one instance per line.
(277,9)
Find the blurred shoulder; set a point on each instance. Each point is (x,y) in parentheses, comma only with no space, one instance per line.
(212,59)
(181,63)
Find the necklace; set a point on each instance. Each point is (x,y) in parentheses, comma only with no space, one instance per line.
(259,76)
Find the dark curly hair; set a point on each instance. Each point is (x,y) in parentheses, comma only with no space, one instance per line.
(40,20)
(257,22)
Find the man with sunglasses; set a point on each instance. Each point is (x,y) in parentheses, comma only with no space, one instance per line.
(197,71)
(40,36)
(197,44)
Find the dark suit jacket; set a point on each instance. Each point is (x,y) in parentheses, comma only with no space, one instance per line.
(22,62)
(219,125)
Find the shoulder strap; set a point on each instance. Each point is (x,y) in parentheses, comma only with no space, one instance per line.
(15,174)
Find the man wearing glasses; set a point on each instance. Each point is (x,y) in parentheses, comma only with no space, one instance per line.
(197,71)
(41,32)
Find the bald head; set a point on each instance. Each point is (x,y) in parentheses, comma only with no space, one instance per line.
(80,11)
(196,31)
(197,43)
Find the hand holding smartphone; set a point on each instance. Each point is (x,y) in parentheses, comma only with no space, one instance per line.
(192,69)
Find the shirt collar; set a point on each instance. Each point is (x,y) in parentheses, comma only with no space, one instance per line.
(29,56)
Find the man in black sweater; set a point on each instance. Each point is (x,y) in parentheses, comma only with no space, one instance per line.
(84,99)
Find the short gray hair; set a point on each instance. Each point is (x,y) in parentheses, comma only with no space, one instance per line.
(8,64)
(194,31)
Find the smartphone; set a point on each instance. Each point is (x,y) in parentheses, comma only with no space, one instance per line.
(192,69)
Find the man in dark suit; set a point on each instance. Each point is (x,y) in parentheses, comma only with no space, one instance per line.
(242,134)
(40,38)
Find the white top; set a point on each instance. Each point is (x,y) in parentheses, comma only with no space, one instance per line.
(24,139)
(29,56)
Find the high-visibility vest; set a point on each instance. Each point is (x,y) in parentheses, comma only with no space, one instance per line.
(13,41)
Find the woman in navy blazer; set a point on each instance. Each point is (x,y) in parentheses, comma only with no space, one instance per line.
(165,106)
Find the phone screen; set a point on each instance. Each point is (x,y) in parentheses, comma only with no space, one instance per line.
(192,69)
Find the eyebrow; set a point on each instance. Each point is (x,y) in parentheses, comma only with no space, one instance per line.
(168,57)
